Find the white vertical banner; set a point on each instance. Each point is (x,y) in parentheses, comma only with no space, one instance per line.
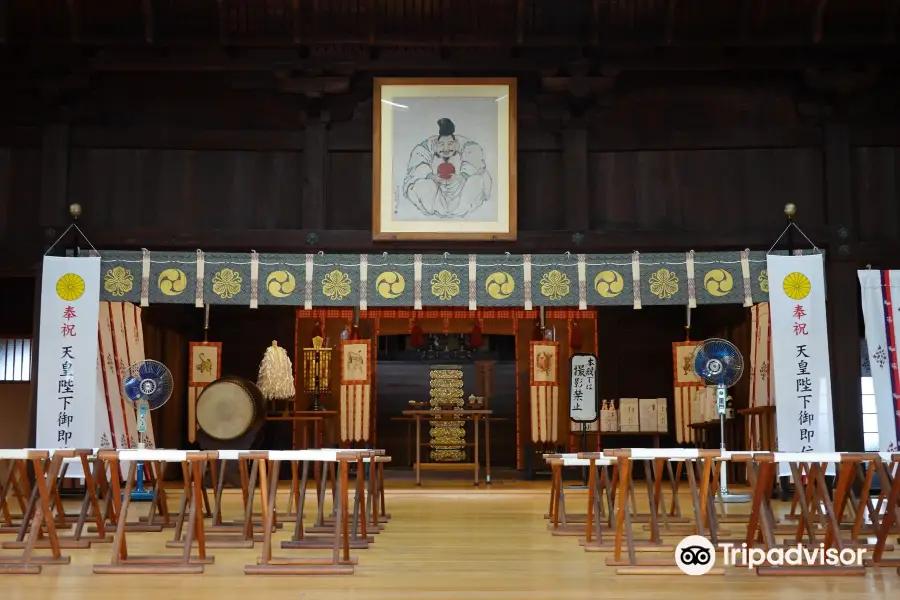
(878,291)
(804,416)
(583,403)
(67,356)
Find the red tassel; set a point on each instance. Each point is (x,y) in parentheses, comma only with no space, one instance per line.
(575,339)
(475,340)
(416,337)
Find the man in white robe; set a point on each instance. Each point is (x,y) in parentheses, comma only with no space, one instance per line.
(446,176)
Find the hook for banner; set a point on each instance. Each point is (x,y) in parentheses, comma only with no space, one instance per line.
(75,213)
(790,210)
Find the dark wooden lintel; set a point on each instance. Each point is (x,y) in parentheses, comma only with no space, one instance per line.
(520,22)
(75,29)
(744,20)
(211,60)
(606,138)
(223,22)
(671,7)
(352,241)
(372,21)
(595,22)
(149,17)
(315,174)
(893,21)
(297,22)
(4,21)
(576,178)
(55,145)
(818,21)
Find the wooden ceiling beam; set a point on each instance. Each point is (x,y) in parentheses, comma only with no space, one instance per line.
(214,60)
(671,7)
(595,22)
(893,20)
(818,21)
(149,18)
(74,7)
(744,21)
(4,21)
(520,22)
(223,22)
(298,23)
(372,20)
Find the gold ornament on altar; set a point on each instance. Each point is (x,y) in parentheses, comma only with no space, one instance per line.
(448,434)
(316,366)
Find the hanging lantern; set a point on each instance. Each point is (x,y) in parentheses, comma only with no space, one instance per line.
(416,337)
(317,330)
(575,340)
(475,339)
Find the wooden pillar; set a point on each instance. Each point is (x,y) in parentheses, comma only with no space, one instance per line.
(842,290)
(315,174)
(575,179)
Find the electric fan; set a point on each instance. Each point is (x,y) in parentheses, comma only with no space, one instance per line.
(148,384)
(719,363)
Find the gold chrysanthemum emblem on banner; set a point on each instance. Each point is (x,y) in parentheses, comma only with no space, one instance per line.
(227,283)
(70,287)
(118,281)
(336,285)
(664,284)
(797,286)
(445,285)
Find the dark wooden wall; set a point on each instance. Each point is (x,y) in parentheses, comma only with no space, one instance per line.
(657,128)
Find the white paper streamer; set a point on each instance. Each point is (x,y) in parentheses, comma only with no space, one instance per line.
(692,284)
(473,267)
(745,271)
(417,283)
(582,283)
(307,302)
(198,294)
(145,277)
(363,281)
(526,280)
(636,279)
(254,279)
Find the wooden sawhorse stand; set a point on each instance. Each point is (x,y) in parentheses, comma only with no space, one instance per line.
(193,464)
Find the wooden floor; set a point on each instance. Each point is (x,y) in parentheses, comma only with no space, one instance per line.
(445,542)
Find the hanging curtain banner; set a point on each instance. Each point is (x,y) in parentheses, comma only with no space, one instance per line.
(67,356)
(761,388)
(880,291)
(800,354)
(686,384)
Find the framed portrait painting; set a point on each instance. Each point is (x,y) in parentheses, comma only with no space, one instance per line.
(444,159)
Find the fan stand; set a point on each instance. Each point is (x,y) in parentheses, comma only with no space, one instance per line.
(724,494)
(139,493)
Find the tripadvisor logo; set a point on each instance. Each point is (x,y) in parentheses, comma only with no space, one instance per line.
(696,555)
